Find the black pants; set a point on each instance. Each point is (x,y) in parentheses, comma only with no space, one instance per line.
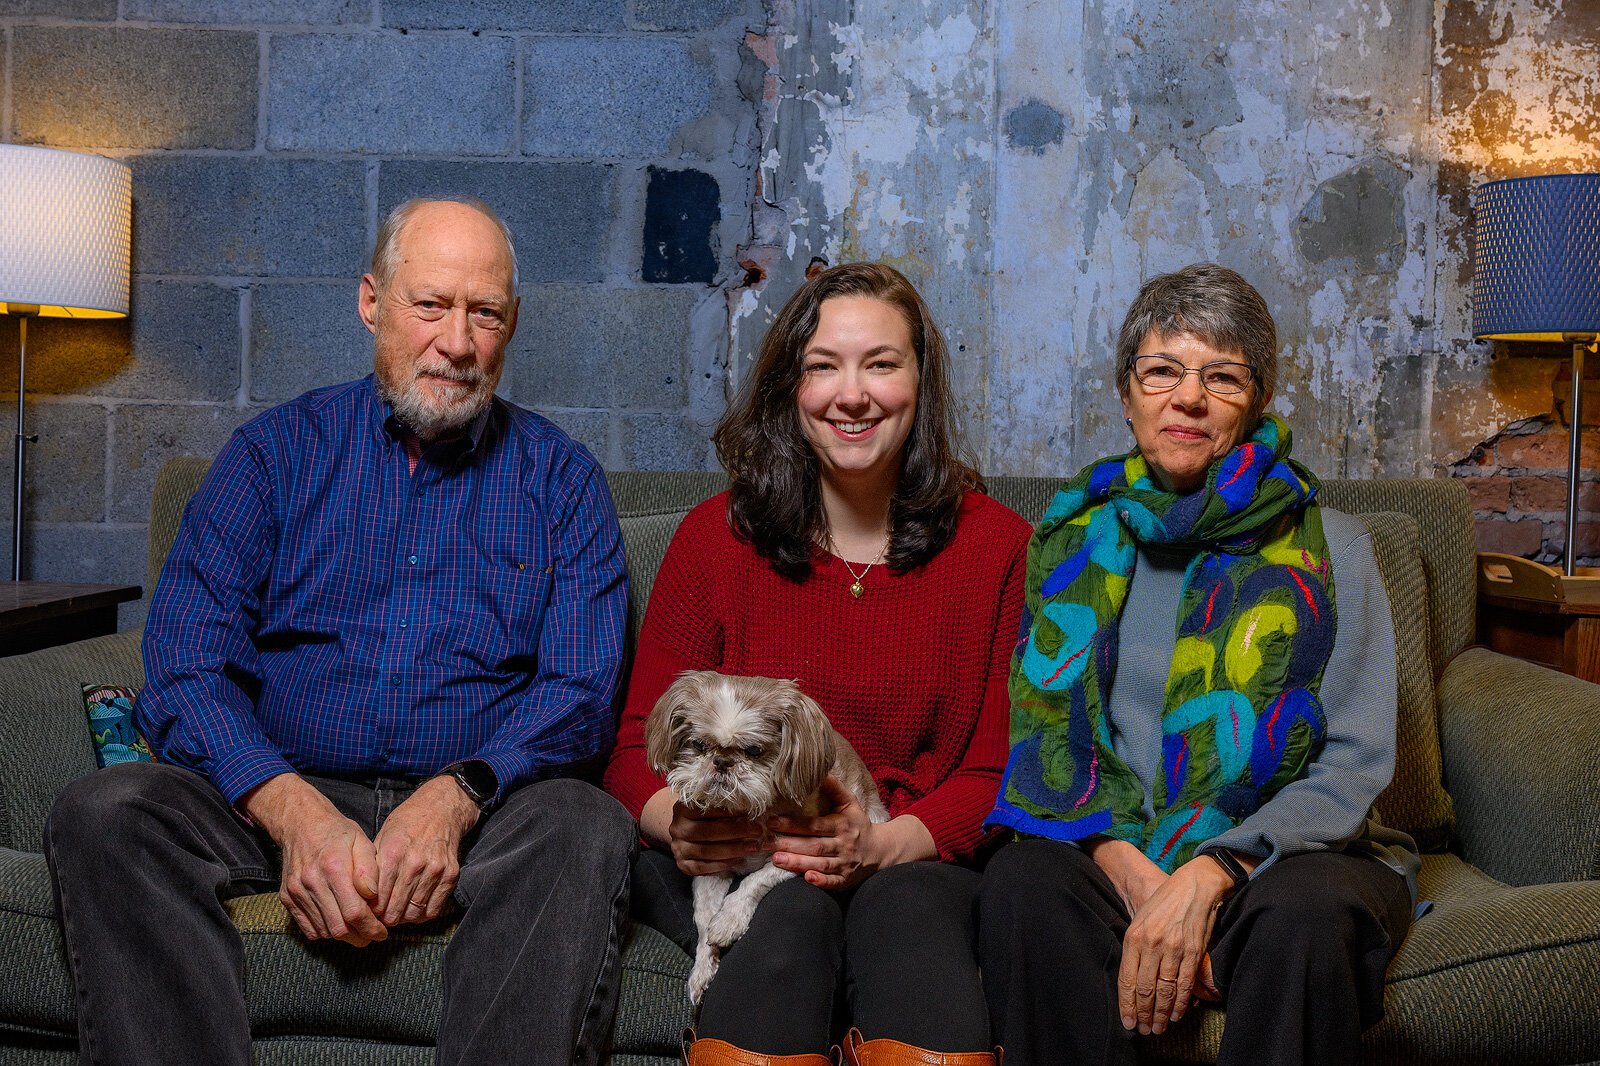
(900,947)
(142,857)
(1299,954)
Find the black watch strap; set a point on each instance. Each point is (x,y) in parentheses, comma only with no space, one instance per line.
(476,779)
(1235,869)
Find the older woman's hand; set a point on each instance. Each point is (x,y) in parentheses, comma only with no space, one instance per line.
(1165,946)
(841,849)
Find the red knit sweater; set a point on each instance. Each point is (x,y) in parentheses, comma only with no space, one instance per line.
(913,673)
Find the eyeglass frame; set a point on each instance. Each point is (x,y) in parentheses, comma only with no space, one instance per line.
(1185,371)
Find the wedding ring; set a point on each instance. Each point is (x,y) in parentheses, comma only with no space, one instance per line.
(415,903)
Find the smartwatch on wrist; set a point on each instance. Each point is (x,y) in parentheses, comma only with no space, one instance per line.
(476,779)
(1230,865)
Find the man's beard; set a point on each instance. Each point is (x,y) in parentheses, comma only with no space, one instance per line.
(428,417)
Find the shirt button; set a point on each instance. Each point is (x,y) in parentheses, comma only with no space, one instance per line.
(395,680)
(404,623)
(413,560)
(419,490)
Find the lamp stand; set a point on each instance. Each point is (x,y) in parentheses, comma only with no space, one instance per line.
(23,313)
(1581,343)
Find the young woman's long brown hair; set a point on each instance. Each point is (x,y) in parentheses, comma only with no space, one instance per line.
(775,495)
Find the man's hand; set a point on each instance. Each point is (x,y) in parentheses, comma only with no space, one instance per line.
(419,852)
(330,870)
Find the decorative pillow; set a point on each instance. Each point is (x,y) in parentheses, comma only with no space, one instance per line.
(111,727)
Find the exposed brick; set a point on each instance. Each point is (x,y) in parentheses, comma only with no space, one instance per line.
(683,14)
(134,88)
(664,442)
(681,212)
(569,16)
(586,346)
(180,341)
(303,336)
(66,468)
(1545,450)
(1524,537)
(256,13)
(1549,494)
(66,9)
(147,435)
(558,213)
(609,97)
(1488,493)
(443,95)
(199,215)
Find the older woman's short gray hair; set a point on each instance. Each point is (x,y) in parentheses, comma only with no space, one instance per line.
(383,249)
(1214,304)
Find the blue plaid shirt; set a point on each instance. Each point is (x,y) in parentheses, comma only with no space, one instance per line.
(325,609)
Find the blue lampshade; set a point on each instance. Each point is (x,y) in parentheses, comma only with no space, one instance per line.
(1536,257)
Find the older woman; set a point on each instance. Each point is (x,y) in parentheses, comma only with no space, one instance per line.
(855,553)
(1203,712)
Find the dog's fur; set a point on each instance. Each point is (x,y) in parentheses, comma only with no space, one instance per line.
(754,745)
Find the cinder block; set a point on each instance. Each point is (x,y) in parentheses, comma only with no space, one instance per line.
(303,336)
(147,435)
(569,16)
(586,346)
(180,342)
(250,216)
(681,211)
(255,13)
(66,468)
(436,95)
(665,442)
(592,429)
(558,213)
(134,88)
(609,97)
(105,10)
(683,14)
(92,554)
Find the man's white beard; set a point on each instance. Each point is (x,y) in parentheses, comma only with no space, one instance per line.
(429,418)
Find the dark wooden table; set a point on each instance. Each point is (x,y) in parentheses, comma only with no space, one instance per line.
(42,614)
(1562,635)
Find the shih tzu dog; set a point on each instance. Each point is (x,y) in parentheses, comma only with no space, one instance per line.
(757,746)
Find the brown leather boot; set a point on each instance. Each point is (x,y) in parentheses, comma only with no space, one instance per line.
(708,1052)
(880,1052)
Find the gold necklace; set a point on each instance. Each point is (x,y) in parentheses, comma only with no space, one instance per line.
(856,587)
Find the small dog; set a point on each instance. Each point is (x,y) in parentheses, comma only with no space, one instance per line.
(757,746)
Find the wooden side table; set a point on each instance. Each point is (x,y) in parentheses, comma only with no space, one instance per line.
(42,614)
(1559,634)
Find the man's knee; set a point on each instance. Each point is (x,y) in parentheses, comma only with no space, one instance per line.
(567,818)
(113,804)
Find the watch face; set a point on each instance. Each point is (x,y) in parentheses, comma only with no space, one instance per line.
(477,780)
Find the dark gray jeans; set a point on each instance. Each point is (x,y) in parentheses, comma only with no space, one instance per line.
(530,975)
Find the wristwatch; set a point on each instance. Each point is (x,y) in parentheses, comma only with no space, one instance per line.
(1232,866)
(476,779)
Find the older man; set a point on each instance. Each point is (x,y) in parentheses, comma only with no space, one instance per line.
(391,623)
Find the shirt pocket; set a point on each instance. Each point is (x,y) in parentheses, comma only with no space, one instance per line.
(507,591)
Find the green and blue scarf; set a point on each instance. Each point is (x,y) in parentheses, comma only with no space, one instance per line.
(1241,717)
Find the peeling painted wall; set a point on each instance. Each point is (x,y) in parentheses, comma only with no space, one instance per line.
(1030,163)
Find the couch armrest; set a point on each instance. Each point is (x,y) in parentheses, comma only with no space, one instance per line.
(46,734)
(1521,749)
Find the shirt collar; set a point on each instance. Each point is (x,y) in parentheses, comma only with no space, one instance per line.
(449,449)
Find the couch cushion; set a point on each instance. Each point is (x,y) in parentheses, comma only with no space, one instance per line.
(1415,802)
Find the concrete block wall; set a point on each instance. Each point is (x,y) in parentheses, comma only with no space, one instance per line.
(267,140)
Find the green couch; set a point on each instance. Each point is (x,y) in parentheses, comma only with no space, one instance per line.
(1505,969)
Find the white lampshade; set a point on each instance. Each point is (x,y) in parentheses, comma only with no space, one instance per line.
(65,227)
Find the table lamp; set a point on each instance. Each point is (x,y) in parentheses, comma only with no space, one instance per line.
(65,227)
(1536,277)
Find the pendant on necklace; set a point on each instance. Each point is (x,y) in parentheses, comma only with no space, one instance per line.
(857,589)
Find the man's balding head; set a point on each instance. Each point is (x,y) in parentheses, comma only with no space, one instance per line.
(385,251)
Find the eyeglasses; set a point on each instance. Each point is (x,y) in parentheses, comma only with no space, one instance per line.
(1162,373)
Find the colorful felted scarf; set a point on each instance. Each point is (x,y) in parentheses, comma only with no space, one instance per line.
(1241,718)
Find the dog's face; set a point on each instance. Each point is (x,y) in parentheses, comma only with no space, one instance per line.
(738,743)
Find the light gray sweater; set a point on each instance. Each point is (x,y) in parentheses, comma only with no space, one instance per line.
(1330,808)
